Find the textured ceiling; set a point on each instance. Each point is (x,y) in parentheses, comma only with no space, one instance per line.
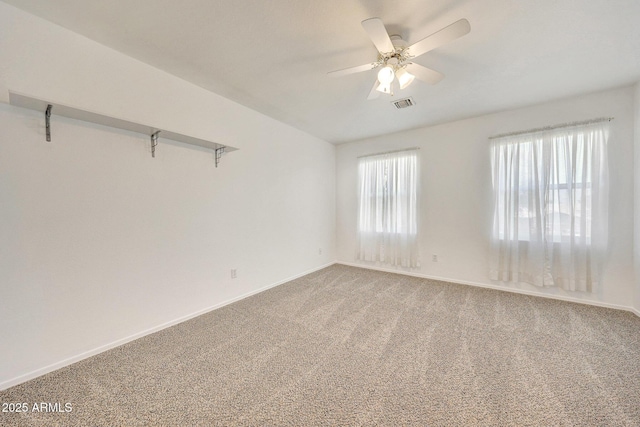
(273,56)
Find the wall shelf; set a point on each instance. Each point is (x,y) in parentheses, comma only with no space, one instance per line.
(50,109)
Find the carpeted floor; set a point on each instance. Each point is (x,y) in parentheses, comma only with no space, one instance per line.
(348,346)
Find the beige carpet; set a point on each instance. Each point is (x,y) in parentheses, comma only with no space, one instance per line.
(347,346)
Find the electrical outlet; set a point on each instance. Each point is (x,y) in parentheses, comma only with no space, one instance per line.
(234,273)
(434,258)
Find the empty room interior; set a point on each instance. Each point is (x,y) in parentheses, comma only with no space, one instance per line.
(329,212)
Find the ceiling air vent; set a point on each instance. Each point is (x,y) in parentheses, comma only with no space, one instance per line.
(403,103)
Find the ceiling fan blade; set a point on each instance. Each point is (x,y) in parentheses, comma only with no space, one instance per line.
(425,74)
(374,93)
(352,70)
(439,38)
(378,34)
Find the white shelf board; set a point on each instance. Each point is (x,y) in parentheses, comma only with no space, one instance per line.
(32,103)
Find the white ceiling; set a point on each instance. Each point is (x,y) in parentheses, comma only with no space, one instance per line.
(274,55)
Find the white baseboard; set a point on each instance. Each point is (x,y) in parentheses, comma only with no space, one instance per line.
(66,362)
(496,287)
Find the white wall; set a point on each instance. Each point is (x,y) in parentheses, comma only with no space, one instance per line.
(101,242)
(456,190)
(636,210)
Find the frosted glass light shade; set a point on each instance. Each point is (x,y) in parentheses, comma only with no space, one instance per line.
(384,88)
(386,75)
(404,78)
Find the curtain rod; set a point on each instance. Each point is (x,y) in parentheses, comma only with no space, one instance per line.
(389,152)
(563,125)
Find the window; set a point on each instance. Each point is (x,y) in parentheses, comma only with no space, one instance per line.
(550,206)
(387,210)
(564,189)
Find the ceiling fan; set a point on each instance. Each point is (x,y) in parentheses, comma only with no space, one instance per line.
(396,58)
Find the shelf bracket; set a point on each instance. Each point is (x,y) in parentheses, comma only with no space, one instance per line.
(47,120)
(219,152)
(154,143)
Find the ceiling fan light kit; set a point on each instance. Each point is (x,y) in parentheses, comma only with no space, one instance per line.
(396,58)
(385,88)
(404,78)
(386,75)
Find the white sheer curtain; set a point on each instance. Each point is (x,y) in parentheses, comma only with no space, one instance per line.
(387,212)
(550,207)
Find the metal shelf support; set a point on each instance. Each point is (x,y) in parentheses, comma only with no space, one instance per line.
(219,152)
(154,143)
(47,119)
